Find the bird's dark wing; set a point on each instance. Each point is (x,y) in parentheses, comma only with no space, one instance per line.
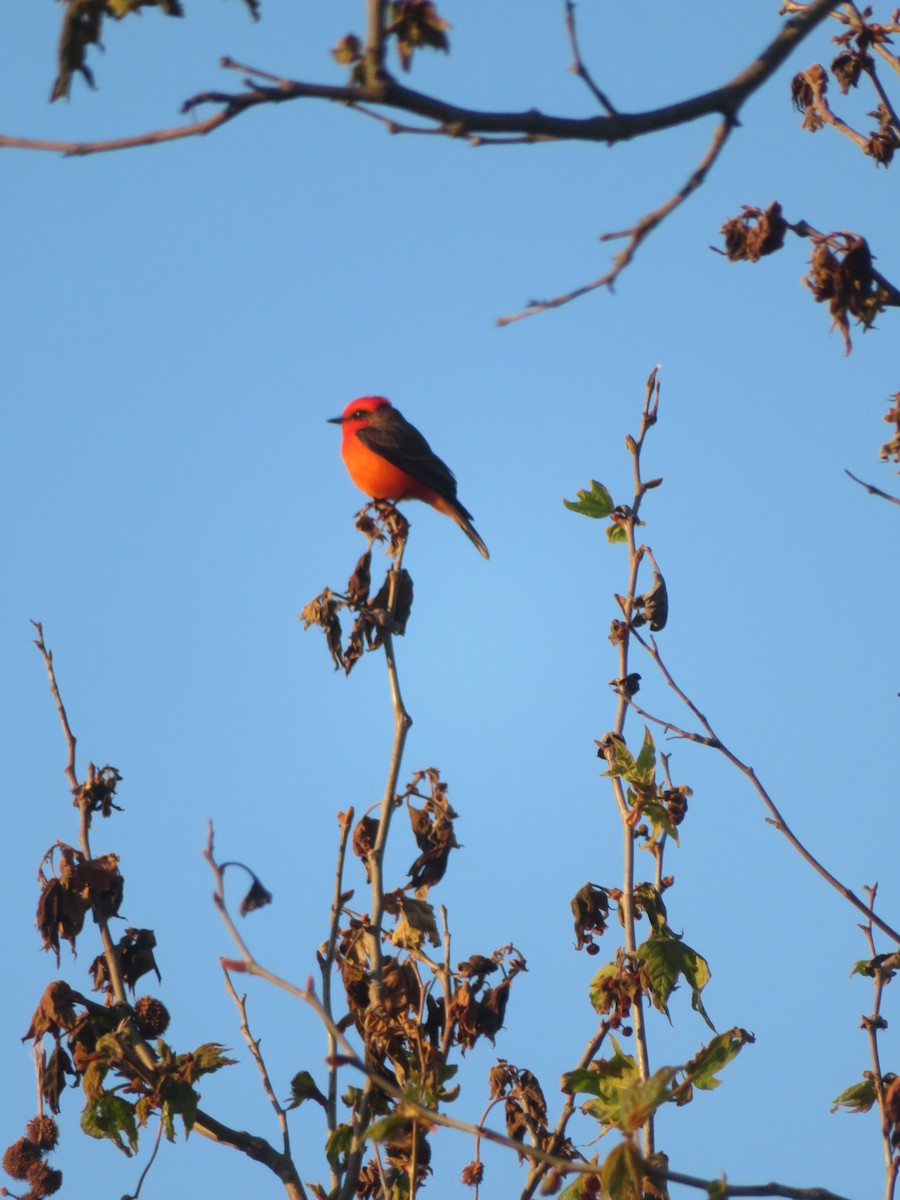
(401,444)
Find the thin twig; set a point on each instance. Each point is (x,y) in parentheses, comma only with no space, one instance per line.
(47,656)
(872,1024)
(872,489)
(638,233)
(253,1045)
(327,964)
(578,66)
(775,817)
(635,446)
(146,1170)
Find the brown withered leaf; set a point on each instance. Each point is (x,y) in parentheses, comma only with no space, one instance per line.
(402,1151)
(53,1074)
(463,1016)
(531,1097)
(755,233)
(56,1011)
(654,605)
(421,824)
(431,865)
(60,914)
(847,68)
(842,274)
(881,146)
(417,921)
(99,883)
(81,28)
(492,1010)
(348,50)
(809,86)
(256,897)
(435,1022)
(629,684)
(368,527)
(516,1124)
(323,610)
(356,985)
(361,579)
(136,955)
(417,23)
(96,793)
(355,646)
(590,907)
(891,449)
(501,1077)
(403,598)
(402,989)
(477,967)
(363,842)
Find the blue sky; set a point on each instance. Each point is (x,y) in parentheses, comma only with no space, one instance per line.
(177,325)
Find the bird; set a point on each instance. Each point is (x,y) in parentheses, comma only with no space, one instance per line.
(389,459)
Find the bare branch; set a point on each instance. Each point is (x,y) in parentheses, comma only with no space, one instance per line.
(775,818)
(326,962)
(253,1044)
(872,1024)
(578,65)
(47,656)
(637,233)
(872,490)
(454,120)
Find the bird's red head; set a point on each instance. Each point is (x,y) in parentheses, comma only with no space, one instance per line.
(359,412)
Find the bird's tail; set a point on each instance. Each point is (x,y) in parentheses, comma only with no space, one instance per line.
(463,520)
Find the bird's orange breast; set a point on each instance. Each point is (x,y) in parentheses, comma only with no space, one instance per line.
(375,476)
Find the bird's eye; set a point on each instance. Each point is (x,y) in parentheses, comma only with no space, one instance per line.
(360,412)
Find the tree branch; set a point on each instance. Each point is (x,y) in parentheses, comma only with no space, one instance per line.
(775,818)
(872,490)
(457,121)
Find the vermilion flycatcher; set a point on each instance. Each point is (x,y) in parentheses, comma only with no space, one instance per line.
(388,459)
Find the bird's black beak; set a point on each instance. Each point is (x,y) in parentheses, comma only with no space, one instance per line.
(335,420)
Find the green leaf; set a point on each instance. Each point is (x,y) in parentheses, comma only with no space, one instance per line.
(597,503)
(180,1100)
(338,1144)
(303,1087)
(651,903)
(210,1057)
(620,759)
(701,1071)
(645,764)
(574,1191)
(660,820)
(857,1099)
(111,1117)
(606,1080)
(667,958)
(387,1127)
(641,1100)
(590,1079)
(623,1172)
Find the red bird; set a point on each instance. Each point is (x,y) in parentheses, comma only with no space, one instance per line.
(388,459)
